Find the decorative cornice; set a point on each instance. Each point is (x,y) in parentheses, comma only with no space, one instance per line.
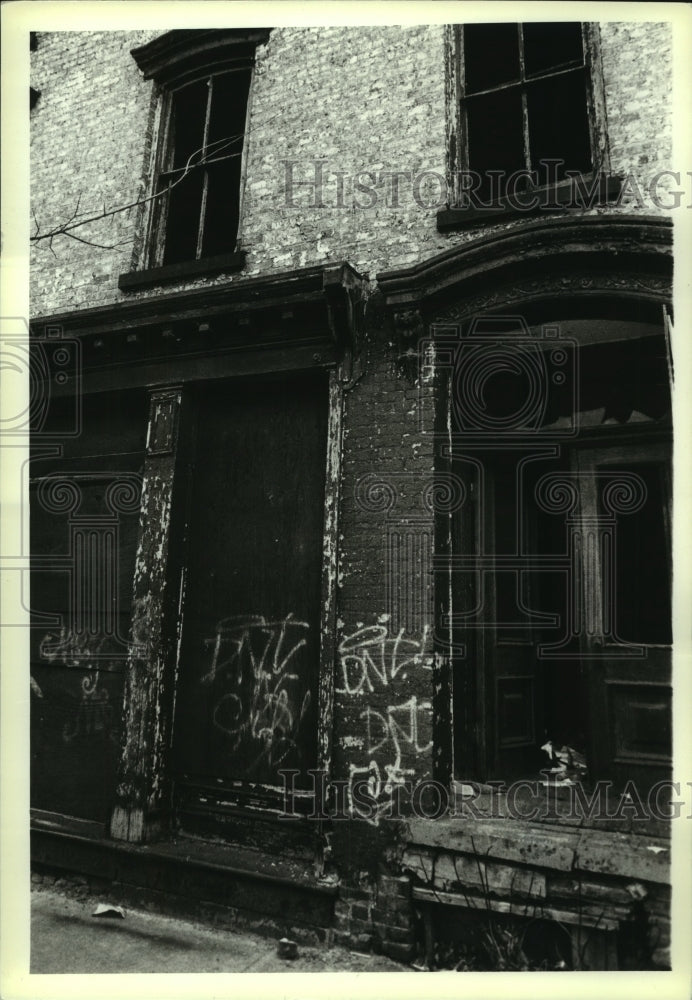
(550,252)
(650,288)
(176,55)
(318,303)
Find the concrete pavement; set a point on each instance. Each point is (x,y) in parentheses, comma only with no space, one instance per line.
(66,938)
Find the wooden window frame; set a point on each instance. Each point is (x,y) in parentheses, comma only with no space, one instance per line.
(476,710)
(158,217)
(547,197)
(176,60)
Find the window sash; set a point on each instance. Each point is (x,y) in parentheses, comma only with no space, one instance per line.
(205,160)
(596,152)
(524,77)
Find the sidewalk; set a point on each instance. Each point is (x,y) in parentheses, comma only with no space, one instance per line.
(66,938)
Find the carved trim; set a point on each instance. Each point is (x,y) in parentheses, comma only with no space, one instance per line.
(409,328)
(163,425)
(598,254)
(343,290)
(650,286)
(561,242)
(177,56)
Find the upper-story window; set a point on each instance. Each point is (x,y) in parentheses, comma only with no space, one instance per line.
(203,82)
(526,108)
(201,167)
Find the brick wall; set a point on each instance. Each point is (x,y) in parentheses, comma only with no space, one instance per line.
(383,713)
(362,99)
(376,915)
(637,64)
(89,136)
(359,99)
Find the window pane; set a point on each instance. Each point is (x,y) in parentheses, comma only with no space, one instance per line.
(228,110)
(624,382)
(188,117)
(495,135)
(222,208)
(558,122)
(225,140)
(547,46)
(491,55)
(187,122)
(184,206)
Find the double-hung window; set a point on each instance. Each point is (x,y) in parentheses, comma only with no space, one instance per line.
(201,170)
(526,109)
(203,82)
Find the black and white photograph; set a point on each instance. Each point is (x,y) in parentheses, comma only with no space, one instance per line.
(346,452)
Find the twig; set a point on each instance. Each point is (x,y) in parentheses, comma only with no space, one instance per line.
(74,222)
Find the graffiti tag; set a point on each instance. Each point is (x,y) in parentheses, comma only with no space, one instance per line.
(267,706)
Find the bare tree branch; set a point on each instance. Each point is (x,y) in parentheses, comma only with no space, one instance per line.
(99,246)
(215,149)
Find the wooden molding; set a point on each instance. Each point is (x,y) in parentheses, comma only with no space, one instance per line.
(176,56)
(623,255)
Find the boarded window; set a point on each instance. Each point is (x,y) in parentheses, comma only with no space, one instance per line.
(246,704)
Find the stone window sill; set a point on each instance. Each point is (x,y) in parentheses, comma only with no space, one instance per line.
(133,281)
(551,198)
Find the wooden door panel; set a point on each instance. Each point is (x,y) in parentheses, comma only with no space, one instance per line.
(627,490)
(249,661)
(639,722)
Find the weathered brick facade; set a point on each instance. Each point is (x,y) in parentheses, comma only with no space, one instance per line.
(333,103)
(356,99)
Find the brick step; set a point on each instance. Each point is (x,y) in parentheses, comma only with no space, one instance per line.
(225,882)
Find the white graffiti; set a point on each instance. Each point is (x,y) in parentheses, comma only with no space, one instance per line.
(372,660)
(370,657)
(256,656)
(94,714)
(393,735)
(370,794)
(236,637)
(399,728)
(68,649)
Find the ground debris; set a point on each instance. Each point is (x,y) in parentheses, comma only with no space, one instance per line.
(108,910)
(287,948)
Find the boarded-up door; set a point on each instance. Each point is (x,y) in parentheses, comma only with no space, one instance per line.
(246,701)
